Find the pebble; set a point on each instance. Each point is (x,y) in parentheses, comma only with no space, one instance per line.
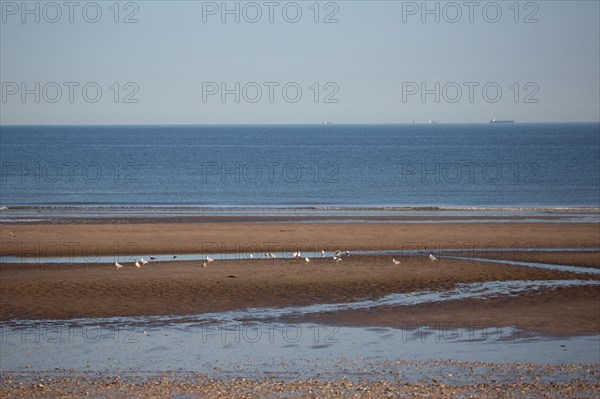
(523,381)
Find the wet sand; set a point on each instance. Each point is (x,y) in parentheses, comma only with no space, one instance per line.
(568,258)
(47,291)
(107,239)
(559,312)
(55,291)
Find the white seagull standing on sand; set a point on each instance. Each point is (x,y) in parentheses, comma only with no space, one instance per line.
(137,264)
(118,265)
(209,259)
(144,261)
(13,235)
(396,262)
(204,264)
(306,260)
(433,258)
(322,254)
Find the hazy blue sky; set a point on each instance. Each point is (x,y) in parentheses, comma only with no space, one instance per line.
(374,61)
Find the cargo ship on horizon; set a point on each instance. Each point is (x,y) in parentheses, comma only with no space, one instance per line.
(493,120)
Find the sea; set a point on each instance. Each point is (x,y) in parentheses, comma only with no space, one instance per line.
(273,169)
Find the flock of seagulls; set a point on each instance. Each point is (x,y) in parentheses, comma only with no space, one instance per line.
(139,263)
(337,257)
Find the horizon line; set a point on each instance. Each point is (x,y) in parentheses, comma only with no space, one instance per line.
(287,124)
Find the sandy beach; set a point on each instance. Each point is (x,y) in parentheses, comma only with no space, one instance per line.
(42,291)
(107,239)
(162,288)
(61,291)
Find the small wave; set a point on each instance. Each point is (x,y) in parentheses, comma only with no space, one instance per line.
(318,208)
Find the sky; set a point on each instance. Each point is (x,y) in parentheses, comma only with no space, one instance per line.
(204,62)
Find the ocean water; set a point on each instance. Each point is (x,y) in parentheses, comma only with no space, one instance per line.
(288,166)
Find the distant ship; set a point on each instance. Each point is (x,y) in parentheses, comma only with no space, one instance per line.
(326,122)
(501,121)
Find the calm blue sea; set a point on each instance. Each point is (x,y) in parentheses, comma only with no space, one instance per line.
(275,166)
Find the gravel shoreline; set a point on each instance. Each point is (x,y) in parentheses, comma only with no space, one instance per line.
(493,381)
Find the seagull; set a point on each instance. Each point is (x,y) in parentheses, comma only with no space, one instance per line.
(295,254)
(174,257)
(396,262)
(144,262)
(209,259)
(152,257)
(204,264)
(137,264)
(336,259)
(338,252)
(13,235)
(433,258)
(299,254)
(347,253)
(322,254)
(251,256)
(272,255)
(306,259)
(118,265)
